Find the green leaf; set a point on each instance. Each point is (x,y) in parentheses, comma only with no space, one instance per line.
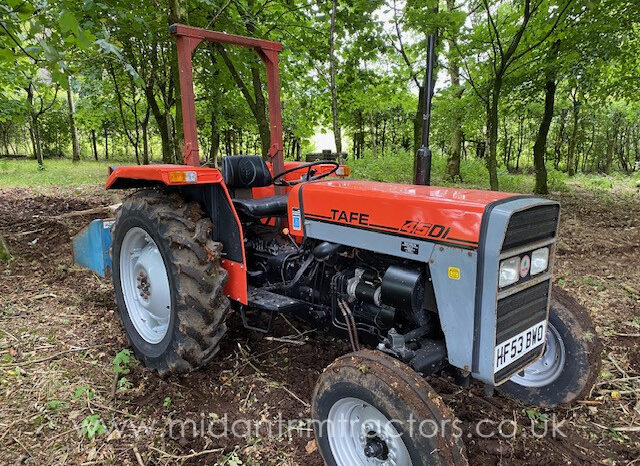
(93,426)
(6,55)
(84,39)
(108,48)
(122,362)
(68,22)
(80,391)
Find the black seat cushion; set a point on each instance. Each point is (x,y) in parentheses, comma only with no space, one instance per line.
(245,171)
(270,206)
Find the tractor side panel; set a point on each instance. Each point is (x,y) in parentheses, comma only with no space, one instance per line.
(418,213)
(453,275)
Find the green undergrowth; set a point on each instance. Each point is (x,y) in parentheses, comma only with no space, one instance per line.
(57,172)
(396,167)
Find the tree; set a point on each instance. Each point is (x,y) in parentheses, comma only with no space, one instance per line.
(332,73)
(513,32)
(72,122)
(455,149)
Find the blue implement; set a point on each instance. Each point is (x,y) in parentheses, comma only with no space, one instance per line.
(91,247)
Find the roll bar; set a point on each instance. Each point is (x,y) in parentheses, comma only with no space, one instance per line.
(187,39)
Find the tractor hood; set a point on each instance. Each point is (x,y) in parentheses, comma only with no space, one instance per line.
(440,215)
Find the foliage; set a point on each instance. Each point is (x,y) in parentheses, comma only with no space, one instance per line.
(119,64)
(93,426)
(123,361)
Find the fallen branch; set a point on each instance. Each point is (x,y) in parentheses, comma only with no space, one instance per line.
(619,429)
(53,356)
(186,457)
(618,380)
(25,233)
(615,363)
(631,290)
(138,457)
(97,210)
(287,341)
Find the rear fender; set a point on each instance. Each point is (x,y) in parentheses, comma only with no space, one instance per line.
(206,186)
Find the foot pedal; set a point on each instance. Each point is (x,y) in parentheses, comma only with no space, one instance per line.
(261,301)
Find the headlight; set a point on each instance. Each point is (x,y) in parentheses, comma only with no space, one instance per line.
(539,260)
(509,271)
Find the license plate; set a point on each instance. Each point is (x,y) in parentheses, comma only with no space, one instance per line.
(514,348)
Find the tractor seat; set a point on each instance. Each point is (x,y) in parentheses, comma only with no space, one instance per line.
(271,206)
(243,172)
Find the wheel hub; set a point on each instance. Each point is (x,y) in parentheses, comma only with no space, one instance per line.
(550,365)
(145,285)
(359,433)
(376,447)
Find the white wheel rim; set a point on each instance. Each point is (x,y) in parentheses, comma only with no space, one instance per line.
(145,285)
(352,423)
(550,365)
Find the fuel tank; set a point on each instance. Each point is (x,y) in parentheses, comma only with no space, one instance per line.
(438,215)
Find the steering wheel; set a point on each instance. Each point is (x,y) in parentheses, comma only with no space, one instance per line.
(278,179)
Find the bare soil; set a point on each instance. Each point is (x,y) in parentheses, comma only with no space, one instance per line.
(59,334)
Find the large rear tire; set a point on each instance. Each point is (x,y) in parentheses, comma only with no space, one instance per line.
(570,363)
(369,408)
(168,281)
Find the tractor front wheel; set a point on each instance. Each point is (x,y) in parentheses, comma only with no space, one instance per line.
(570,364)
(168,281)
(369,408)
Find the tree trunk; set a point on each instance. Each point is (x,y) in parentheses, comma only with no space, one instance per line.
(611,140)
(94,145)
(261,114)
(417,127)
(571,170)
(106,143)
(214,146)
(540,146)
(492,134)
(178,13)
(72,122)
(34,133)
(374,131)
(337,134)
(145,138)
(161,123)
(455,147)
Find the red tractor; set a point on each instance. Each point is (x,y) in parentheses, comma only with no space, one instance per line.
(429,279)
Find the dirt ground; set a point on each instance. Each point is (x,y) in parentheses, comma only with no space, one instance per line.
(59,335)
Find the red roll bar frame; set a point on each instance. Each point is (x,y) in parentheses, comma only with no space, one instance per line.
(187,39)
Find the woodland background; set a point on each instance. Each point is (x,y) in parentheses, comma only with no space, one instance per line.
(531,95)
(523,86)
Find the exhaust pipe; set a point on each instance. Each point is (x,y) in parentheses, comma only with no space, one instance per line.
(423,157)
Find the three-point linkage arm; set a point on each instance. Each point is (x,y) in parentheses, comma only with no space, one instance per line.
(187,39)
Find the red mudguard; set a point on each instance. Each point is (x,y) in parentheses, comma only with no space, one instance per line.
(171,175)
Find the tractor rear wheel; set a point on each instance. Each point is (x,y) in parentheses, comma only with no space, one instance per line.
(168,281)
(570,364)
(369,408)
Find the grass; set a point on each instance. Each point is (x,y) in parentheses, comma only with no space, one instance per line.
(57,172)
(397,167)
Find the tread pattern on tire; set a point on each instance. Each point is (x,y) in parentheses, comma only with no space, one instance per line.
(416,392)
(195,263)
